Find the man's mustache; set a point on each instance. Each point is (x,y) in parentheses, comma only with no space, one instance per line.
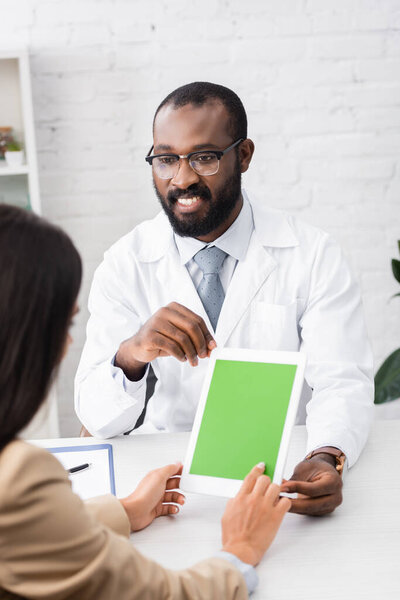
(201,192)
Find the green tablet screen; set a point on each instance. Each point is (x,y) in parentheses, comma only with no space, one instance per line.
(243,418)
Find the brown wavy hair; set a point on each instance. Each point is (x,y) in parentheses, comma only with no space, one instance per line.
(40,277)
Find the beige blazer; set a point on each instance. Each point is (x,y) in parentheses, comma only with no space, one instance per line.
(54,546)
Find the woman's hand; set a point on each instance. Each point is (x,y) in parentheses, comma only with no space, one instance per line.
(252,518)
(152,496)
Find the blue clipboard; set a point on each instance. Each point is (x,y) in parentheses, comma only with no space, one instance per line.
(91,448)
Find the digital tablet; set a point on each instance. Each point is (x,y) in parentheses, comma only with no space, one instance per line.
(246,412)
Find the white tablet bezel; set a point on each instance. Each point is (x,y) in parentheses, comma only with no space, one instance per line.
(219,486)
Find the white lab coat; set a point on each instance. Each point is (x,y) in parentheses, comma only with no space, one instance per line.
(293,291)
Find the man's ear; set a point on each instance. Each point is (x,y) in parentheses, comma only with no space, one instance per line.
(246,151)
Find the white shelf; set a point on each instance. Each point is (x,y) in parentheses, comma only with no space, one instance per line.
(16,112)
(6,170)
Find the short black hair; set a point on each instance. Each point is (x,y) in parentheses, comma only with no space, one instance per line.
(40,276)
(199,93)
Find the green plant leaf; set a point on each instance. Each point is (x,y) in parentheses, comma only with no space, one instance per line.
(387,379)
(398,243)
(396,268)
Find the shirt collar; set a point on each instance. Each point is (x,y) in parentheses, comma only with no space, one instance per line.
(234,241)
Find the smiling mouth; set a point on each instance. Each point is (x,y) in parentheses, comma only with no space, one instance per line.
(189,201)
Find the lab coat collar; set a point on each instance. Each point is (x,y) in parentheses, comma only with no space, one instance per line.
(271,228)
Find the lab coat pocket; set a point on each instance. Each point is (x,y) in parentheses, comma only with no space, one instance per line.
(274,326)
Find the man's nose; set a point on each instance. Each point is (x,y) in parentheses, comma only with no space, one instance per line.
(185,176)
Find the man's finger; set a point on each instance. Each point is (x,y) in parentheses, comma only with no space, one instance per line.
(194,318)
(251,478)
(177,334)
(321,487)
(167,347)
(316,506)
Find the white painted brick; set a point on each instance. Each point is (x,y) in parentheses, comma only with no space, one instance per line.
(132,31)
(270,146)
(251,27)
(96,109)
(73,11)
(55,184)
(353,169)
(370,94)
(90,34)
(392,43)
(272,7)
(378,70)
(268,51)
(52,89)
(185,30)
(393,194)
(328,22)
(357,144)
(304,97)
(377,119)
(82,159)
(349,46)
(316,72)
(90,134)
(280,171)
(293,24)
(265,123)
(192,52)
(338,6)
(49,37)
(15,15)
(45,138)
(134,56)
(104,180)
(73,61)
(135,11)
(318,122)
(282,197)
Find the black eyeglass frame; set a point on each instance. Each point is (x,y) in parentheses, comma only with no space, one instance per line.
(218,153)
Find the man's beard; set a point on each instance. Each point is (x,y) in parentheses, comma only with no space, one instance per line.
(220,208)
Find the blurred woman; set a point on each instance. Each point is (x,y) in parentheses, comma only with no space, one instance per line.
(53,545)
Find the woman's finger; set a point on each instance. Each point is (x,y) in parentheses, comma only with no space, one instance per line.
(273,492)
(250,479)
(261,485)
(170,471)
(176,497)
(169,509)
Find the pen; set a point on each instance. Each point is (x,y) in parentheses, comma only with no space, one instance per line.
(78,468)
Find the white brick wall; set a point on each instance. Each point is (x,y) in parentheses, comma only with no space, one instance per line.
(321,83)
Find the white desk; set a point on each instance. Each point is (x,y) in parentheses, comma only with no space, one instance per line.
(353,554)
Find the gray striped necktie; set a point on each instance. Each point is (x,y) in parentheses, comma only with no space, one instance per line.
(210,290)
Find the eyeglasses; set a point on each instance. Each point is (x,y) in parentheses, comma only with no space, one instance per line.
(203,162)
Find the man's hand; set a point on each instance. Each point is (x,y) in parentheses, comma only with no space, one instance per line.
(252,518)
(318,484)
(174,330)
(152,495)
